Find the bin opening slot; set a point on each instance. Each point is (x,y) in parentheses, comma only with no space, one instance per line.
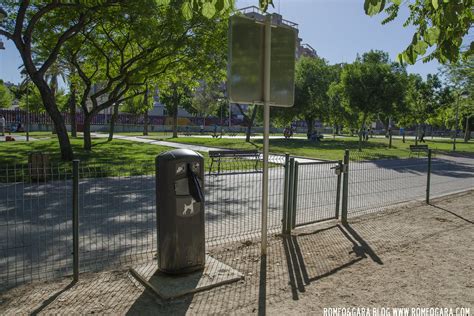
(194,185)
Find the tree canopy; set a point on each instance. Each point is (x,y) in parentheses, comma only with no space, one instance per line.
(115,46)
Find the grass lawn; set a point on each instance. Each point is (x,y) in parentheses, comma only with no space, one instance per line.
(119,157)
(117,151)
(329,148)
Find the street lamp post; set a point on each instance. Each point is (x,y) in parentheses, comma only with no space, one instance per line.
(222,122)
(27,112)
(230,115)
(27,83)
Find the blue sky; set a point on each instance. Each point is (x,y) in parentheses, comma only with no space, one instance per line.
(337,29)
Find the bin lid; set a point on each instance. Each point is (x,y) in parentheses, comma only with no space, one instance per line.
(177,154)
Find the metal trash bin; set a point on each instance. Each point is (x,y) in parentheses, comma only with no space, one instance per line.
(38,166)
(180,211)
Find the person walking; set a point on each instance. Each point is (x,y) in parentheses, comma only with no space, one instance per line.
(2,124)
(402,133)
(422,137)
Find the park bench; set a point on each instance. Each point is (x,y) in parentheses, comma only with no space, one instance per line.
(418,149)
(220,155)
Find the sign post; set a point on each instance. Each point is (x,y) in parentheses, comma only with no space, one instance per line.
(266,128)
(261,71)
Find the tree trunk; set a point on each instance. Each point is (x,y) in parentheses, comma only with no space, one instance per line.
(112,122)
(416,135)
(362,128)
(72,111)
(175,120)
(467,130)
(87,131)
(59,126)
(250,124)
(145,116)
(310,126)
(145,123)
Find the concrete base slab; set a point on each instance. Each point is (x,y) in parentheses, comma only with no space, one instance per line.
(167,286)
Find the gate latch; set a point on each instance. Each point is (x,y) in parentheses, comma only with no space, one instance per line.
(338,169)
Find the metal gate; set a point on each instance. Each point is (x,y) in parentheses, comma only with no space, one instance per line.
(314,192)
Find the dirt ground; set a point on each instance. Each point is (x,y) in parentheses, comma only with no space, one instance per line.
(414,255)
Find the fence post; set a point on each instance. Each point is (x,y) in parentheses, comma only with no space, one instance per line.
(345,187)
(428,178)
(295,194)
(75,219)
(338,189)
(286,189)
(291,180)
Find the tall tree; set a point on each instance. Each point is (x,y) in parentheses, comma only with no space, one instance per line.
(460,77)
(422,100)
(207,98)
(124,52)
(249,113)
(369,86)
(55,22)
(176,94)
(313,76)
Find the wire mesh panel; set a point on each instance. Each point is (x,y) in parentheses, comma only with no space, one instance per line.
(117,214)
(375,183)
(316,193)
(451,173)
(35,222)
(234,195)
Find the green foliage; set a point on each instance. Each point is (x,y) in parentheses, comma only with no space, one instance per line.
(35,101)
(6,97)
(438,24)
(206,8)
(313,76)
(460,77)
(370,87)
(176,94)
(207,99)
(422,99)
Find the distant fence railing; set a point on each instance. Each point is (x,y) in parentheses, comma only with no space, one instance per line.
(43,118)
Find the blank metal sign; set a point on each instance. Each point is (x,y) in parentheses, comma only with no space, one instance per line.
(245,67)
